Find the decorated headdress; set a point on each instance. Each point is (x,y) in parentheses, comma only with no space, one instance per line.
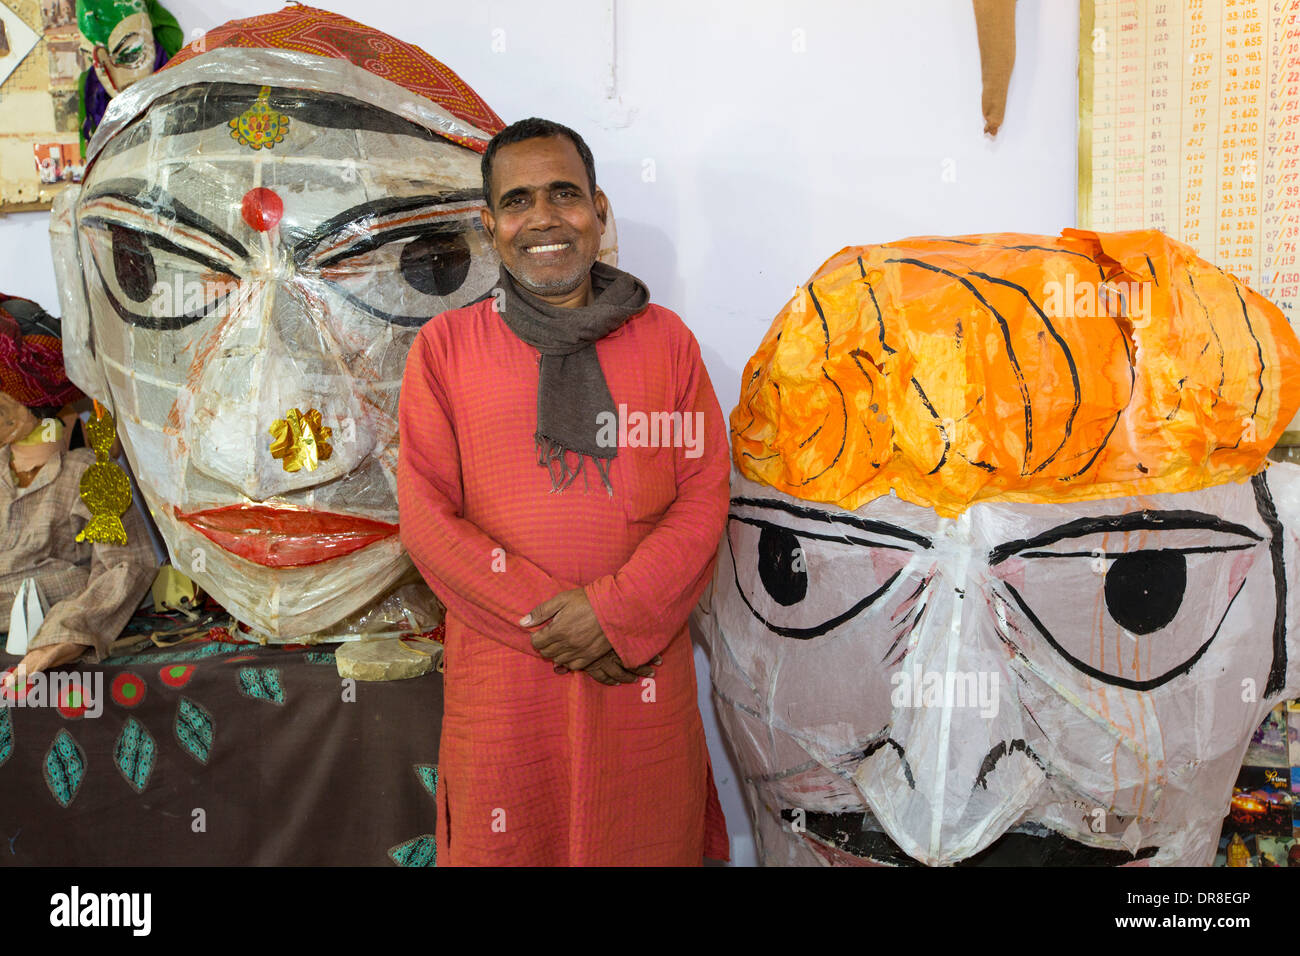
(306,48)
(1016,368)
(31,356)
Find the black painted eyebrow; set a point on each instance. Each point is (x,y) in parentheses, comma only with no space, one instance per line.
(156,200)
(1133,521)
(846,538)
(304,243)
(814,514)
(1207,549)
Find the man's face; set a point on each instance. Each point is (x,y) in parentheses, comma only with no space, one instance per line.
(544,220)
(248,254)
(1081,677)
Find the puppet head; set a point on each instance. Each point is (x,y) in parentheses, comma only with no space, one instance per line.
(33,382)
(1003,579)
(264,225)
(124,37)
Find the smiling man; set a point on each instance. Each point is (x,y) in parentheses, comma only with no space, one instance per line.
(568,562)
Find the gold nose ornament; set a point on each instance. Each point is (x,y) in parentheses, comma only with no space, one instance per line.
(299,440)
(104,486)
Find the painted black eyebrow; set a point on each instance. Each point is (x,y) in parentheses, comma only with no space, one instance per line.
(849,539)
(1207,549)
(304,243)
(156,200)
(814,514)
(1133,521)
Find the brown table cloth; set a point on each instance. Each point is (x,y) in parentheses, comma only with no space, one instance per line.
(218,753)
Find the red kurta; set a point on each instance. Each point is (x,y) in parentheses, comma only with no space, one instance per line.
(534,767)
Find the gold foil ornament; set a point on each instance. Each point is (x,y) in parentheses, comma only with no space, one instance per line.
(259,126)
(1238,854)
(104,486)
(299,440)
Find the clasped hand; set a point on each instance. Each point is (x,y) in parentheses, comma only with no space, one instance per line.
(571,638)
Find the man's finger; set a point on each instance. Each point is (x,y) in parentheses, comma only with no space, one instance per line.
(550,637)
(543,612)
(583,659)
(645,670)
(551,651)
(540,638)
(598,671)
(596,674)
(620,674)
(570,657)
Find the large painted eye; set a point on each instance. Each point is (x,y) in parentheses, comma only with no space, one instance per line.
(133,264)
(782,566)
(407,275)
(804,572)
(1145,589)
(131,51)
(436,264)
(153,282)
(1133,600)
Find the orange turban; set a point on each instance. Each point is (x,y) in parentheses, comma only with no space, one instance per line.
(1016,368)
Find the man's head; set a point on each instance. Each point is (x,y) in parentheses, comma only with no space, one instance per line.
(545,214)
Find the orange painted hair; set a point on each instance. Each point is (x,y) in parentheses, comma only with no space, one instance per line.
(1016,368)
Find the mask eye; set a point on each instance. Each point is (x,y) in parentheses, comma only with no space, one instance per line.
(805,573)
(407,275)
(1134,605)
(133,264)
(130,52)
(781,566)
(436,264)
(152,282)
(1145,589)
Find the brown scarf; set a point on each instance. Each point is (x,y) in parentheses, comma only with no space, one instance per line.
(571,388)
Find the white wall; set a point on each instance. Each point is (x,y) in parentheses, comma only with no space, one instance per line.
(766,160)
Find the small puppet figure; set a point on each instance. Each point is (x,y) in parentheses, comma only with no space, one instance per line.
(126,40)
(90,585)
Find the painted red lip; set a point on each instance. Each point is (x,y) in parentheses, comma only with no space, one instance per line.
(286,537)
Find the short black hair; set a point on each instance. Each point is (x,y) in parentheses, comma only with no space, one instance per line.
(534,128)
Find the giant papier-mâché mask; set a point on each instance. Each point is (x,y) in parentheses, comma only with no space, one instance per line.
(264,225)
(1004,578)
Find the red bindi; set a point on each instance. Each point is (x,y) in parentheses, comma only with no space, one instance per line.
(261,209)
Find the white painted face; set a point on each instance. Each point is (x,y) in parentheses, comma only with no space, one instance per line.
(1037,683)
(247,252)
(129,54)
